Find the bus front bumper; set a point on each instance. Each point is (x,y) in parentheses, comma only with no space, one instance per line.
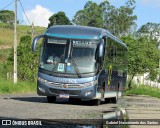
(78,93)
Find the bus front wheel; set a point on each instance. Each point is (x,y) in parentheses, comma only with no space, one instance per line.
(96,102)
(51,99)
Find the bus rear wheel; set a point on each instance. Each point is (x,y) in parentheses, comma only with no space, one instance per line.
(51,99)
(115,99)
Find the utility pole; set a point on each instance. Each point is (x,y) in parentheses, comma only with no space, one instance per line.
(32,32)
(15,43)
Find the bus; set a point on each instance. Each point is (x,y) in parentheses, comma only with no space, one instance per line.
(81,63)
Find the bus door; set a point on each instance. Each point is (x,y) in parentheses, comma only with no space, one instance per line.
(102,83)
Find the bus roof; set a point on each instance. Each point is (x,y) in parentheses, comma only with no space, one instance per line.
(79,32)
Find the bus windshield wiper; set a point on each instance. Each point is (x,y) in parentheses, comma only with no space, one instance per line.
(75,67)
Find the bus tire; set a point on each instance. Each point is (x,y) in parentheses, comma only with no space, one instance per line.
(51,99)
(96,102)
(115,99)
(73,100)
(107,100)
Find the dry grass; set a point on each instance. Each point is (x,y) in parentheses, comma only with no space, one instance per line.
(7,34)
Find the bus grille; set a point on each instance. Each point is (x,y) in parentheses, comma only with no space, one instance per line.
(58,85)
(62,85)
(71,92)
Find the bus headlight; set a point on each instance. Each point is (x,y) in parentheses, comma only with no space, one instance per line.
(41,89)
(90,83)
(88,93)
(42,80)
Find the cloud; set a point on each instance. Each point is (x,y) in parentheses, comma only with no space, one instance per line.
(38,15)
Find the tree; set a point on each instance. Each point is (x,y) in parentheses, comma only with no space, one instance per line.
(7,16)
(59,18)
(142,56)
(26,60)
(152,30)
(91,15)
(119,21)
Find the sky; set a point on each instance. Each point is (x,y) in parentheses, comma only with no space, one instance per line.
(39,11)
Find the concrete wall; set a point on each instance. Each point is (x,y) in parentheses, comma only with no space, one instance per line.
(142,79)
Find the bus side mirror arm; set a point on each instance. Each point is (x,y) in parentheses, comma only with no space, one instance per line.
(34,43)
(101,48)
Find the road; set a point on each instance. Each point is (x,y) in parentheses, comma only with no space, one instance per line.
(142,107)
(31,106)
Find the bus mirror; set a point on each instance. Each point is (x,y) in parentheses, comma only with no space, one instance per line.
(101,48)
(35,40)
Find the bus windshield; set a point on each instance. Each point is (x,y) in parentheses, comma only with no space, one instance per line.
(67,56)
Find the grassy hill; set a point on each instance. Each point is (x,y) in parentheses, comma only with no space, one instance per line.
(7,34)
(7,37)
(3,55)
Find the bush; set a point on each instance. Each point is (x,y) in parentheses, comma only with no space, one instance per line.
(7,87)
(27,61)
(144,90)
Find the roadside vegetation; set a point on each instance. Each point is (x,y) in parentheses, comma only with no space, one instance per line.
(7,86)
(4,53)
(143,90)
(6,36)
(27,62)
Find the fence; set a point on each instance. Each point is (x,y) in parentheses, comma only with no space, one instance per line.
(143,79)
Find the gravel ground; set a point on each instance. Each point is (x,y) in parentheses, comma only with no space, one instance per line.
(31,106)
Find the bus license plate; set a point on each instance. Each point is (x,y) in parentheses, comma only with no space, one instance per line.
(64,96)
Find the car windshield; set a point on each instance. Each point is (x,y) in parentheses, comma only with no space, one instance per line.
(68,56)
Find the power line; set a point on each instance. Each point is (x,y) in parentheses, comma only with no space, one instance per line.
(24,12)
(7,5)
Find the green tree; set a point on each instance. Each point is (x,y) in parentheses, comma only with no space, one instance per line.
(150,29)
(26,61)
(91,15)
(142,56)
(59,18)
(118,21)
(7,16)
(121,21)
